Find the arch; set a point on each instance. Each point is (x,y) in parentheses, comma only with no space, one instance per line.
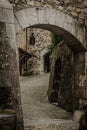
(55,21)
(50,19)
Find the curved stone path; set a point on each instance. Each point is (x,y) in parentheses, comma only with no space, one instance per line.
(38,113)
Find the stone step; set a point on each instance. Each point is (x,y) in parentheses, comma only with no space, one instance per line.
(52,125)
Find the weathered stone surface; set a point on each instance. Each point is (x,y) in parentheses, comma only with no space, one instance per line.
(76,9)
(35,65)
(5,4)
(54,125)
(9,83)
(67,6)
(39,110)
(61,79)
(56,21)
(68,28)
(66,83)
(49,127)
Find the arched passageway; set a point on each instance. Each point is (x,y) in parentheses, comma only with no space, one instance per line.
(57,75)
(44,18)
(34,87)
(61,24)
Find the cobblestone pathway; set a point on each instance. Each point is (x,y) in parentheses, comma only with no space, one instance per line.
(38,113)
(53,125)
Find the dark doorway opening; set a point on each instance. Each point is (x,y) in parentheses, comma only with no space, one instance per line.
(47,62)
(53,97)
(57,76)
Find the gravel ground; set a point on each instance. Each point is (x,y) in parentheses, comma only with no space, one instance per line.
(36,108)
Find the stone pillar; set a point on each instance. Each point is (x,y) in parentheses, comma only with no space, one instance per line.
(9,73)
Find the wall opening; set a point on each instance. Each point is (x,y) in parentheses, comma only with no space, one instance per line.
(46,59)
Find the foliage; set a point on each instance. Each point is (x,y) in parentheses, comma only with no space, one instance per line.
(51,46)
(55,39)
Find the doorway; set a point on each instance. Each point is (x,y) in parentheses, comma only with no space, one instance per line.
(47,62)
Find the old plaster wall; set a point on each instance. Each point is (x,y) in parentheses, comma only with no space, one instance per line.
(9,80)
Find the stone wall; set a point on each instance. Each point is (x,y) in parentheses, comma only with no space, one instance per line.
(82,91)
(42,40)
(75,8)
(67,79)
(62,77)
(9,76)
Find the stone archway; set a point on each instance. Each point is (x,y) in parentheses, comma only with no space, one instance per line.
(9,76)
(53,20)
(45,18)
(60,23)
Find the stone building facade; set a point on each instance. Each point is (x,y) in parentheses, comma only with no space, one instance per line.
(35,65)
(66,88)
